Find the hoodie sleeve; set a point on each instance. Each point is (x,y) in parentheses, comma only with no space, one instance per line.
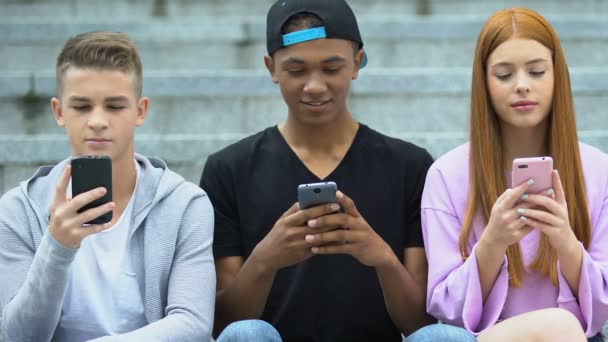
(34,281)
(454,293)
(591,309)
(191,292)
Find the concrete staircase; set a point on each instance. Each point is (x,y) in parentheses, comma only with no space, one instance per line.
(204,71)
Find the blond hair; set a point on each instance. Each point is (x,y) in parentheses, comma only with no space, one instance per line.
(100,51)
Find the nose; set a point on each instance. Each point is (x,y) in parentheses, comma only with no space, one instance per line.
(315,85)
(523,84)
(98,119)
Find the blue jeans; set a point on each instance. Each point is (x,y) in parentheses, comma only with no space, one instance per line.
(450,333)
(441,332)
(249,330)
(596,338)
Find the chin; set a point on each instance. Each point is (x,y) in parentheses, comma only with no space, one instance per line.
(318,120)
(526,124)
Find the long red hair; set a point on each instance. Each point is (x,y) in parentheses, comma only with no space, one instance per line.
(487,178)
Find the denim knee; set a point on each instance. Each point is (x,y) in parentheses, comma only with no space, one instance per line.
(249,330)
(441,332)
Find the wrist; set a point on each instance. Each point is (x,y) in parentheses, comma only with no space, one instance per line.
(570,250)
(486,246)
(389,260)
(260,264)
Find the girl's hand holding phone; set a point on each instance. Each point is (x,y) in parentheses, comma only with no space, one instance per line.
(506,224)
(553,221)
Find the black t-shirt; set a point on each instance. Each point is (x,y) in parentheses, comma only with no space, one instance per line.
(330,297)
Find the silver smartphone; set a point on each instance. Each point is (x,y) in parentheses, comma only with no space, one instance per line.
(315,194)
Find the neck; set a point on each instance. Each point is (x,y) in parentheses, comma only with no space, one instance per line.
(320,138)
(524,143)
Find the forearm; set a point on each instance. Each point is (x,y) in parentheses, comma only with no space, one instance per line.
(570,262)
(34,312)
(489,263)
(403,296)
(245,297)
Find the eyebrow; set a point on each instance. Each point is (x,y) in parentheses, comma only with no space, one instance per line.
(294,60)
(116,99)
(79,98)
(537,60)
(333,59)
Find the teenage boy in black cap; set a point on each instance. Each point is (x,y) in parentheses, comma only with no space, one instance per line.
(319,274)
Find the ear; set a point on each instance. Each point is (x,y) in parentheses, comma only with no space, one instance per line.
(57,112)
(269,61)
(358,61)
(143,105)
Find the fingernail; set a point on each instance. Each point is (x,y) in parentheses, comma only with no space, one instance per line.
(523,218)
(312,223)
(524,196)
(521,211)
(550,192)
(339,194)
(111,205)
(315,249)
(530,181)
(556,172)
(335,207)
(101,191)
(310,238)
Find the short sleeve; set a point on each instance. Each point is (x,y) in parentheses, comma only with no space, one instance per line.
(217,181)
(413,224)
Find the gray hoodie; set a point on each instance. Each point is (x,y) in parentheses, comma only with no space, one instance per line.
(170,244)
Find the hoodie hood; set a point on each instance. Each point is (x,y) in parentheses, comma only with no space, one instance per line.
(155,183)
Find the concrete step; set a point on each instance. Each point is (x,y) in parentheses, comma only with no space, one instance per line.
(241,102)
(20,155)
(184,8)
(239,43)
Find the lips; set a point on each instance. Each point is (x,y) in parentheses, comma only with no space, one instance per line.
(315,106)
(315,103)
(98,142)
(524,105)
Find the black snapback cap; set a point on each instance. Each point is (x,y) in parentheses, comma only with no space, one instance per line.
(338,19)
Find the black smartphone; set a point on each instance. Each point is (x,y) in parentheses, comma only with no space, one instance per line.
(315,194)
(91,172)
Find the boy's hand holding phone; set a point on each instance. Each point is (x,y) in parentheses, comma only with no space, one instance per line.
(357,238)
(67,226)
(285,245)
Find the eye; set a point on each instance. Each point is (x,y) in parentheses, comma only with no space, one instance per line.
(537,73)
(332,71)
(81,108)
(503,77)
(115,108)
(297,72)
